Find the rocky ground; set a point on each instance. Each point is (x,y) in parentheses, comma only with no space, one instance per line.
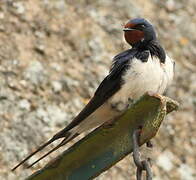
(53,55)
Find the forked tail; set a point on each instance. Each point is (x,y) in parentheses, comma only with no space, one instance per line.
(67,137)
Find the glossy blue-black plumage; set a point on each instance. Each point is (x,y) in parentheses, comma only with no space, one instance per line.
(108,87)
(139,21)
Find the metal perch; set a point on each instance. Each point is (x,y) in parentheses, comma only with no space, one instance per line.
(107,145)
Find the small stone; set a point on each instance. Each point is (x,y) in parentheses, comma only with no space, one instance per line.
(57,86)
(2,28)
(2,15)
(165,161)
(35,72)
(52,115)
(24,104)
(56,66)
(23,83)
(19,7)
(40,48)
(39,34)
(186,172)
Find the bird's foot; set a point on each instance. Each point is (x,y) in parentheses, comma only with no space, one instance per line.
(151,93)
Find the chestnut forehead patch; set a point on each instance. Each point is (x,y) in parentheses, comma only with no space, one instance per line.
(129,25)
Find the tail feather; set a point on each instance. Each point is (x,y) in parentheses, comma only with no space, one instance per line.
(55,137)
(29,156)
(63,142)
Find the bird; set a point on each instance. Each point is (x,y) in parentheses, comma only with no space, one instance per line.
(144,67)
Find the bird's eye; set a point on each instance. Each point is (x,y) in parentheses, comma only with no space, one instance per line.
(142,25)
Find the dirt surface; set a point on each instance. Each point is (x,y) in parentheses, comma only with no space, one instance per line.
(54,54)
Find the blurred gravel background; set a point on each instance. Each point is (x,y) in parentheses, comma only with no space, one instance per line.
(53,55)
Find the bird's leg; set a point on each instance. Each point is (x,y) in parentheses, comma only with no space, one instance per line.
(151,93)
(157,95)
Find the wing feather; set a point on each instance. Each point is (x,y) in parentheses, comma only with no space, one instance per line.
(108,87)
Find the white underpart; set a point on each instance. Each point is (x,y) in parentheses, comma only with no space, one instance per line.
(140,78)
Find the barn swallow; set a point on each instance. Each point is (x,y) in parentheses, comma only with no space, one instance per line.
(144,67)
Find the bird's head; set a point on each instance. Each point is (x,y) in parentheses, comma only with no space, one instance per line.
(138,31)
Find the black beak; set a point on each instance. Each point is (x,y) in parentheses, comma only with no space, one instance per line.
(128,29)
